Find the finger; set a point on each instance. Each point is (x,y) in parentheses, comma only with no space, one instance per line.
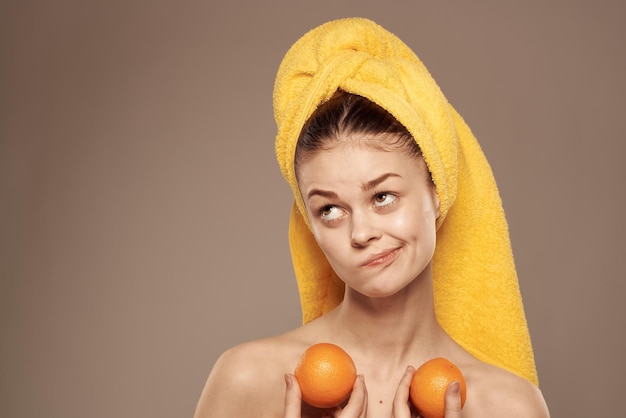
(401,399)
(453,400)
(293,398)
(357,405)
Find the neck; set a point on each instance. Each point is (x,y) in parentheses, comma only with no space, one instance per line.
(401,328)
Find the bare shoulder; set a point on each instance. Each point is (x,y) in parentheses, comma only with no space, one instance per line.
(496,392)
(249,378)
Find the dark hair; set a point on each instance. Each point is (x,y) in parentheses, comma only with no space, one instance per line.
(345,115)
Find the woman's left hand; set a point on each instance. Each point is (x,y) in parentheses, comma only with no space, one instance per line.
(401,402)
(402,406)
(453,400)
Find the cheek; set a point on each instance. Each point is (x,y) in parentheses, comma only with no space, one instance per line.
(327,239)
(403,223)
(406,220)
(415,226)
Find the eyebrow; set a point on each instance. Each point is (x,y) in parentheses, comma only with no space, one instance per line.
(366,187)
(373,183)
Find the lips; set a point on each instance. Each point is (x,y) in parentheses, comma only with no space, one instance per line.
(382,259)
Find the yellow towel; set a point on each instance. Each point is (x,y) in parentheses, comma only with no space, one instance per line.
(477,297)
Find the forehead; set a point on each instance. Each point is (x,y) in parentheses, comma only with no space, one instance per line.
(352,162)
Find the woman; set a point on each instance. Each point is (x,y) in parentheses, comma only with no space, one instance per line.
(398,240)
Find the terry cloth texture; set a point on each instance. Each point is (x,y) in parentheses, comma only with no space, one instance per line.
(476,291)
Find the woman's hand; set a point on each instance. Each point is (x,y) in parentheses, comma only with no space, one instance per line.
(401,404)
(453,400)
(402,407)
(293,398)
(357,404)
(355,408)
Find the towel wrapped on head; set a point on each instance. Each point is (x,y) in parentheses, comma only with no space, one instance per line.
(476,292)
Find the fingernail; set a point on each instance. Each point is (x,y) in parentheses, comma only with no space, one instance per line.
(455,388)
(288,380)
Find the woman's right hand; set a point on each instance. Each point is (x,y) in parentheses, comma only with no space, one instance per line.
(355,408)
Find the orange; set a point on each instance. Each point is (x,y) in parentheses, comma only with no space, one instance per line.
(326,375)
(429,384)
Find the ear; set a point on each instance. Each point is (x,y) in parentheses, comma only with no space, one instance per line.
(436,203)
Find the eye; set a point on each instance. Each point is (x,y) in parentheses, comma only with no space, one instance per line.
(330,213)
(384,199)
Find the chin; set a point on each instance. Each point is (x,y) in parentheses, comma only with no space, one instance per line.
(378,292)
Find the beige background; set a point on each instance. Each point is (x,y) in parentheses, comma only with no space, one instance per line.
(143,217)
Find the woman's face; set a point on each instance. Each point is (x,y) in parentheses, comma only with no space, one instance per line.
(373,213)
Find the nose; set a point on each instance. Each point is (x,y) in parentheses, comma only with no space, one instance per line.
(363,230)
